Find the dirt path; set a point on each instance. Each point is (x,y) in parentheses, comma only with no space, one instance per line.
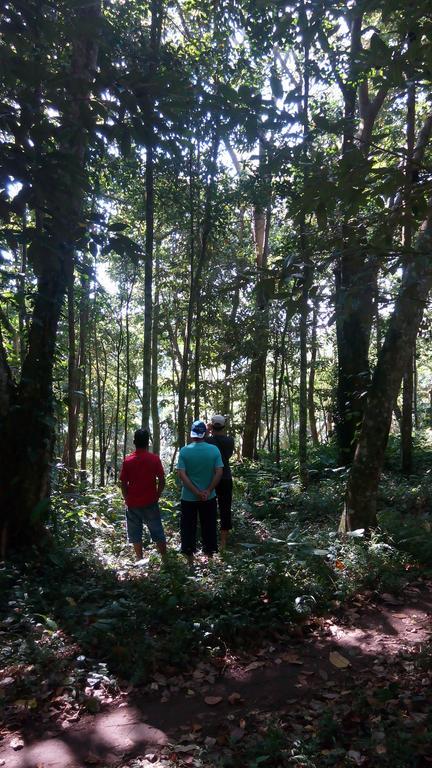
(370,637)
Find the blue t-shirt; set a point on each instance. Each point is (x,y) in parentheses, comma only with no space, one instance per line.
(199,460)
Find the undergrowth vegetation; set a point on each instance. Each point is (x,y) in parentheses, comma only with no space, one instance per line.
(84,599)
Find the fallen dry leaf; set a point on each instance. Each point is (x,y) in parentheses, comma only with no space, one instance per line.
(254,665)
(356,757)
(16,743)
(185,747)
(291,658)
(91,759)
(234,698)
(338,660)
(213,700)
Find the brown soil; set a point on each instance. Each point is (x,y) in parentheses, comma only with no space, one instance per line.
(370,634)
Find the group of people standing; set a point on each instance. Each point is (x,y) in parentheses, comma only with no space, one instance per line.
(205,474)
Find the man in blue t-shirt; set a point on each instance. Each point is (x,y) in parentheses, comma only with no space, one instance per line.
(200,468)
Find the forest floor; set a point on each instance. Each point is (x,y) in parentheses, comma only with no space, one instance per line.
(293,648)
(357,680)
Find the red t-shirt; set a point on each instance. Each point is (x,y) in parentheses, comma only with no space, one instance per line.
(139,472)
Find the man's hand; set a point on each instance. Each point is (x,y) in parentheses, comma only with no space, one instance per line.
(203,495)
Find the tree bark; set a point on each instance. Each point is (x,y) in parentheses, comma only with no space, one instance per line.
(155,38)
(408,378)
(84,333)
(255,384)
(196,273)
(155,362)
(28,430)
(119,350)
(69,458)
(311,387)
(356,273)
(361,495)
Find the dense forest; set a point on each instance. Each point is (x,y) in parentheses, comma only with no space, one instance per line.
(216,207)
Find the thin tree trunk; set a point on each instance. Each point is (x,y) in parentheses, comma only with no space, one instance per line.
(408,379)
(73,385)
(197,361)
(230,346)
(119,350)
(307,267)
(155,38)
(82,363)
(148,287)
(415,390)
(21,291)
(195,273)
(181,425)
(255,385)
(277,355)
(311,388)
(280,388)
(155,361)
(128,372)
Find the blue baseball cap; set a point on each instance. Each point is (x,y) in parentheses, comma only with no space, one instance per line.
(198,429)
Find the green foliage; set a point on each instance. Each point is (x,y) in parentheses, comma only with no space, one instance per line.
(286,563)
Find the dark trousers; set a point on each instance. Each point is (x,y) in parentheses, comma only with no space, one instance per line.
(207,511)
(224,495)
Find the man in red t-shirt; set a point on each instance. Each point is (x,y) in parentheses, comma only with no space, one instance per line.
(142,482)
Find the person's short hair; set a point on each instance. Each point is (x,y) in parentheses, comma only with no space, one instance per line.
(141,438)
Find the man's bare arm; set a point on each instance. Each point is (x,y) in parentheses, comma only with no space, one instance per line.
(188,483)
(160,486)
(216,479)
(124,489)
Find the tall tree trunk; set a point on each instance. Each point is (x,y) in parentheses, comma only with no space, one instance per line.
(229,349)
(407,418)
(73,385)
(155,361)
(21,292)
(255,384)
(25,474)
(415,389)
(127,366)
(84,315)
(148,287)
(408,378)
(361,495)
(100,390)
(356,273)
(277,356)
(197,354)
(155,38)
(306,261)
(196,273)
(280,387)
(119,350)
(181,418)
(311,388)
